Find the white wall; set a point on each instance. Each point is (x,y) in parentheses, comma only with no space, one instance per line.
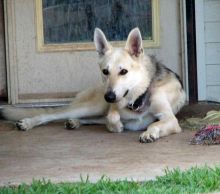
(64,72)
(170,50)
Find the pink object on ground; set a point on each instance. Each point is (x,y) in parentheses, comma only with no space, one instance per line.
(207,135)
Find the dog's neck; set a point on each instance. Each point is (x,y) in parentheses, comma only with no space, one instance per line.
(141,102)
(139,97)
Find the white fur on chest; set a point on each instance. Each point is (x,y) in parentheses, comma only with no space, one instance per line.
(127,114)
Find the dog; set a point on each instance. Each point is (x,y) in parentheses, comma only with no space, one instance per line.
(138,93)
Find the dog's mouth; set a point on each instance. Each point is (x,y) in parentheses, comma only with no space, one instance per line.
(126,93)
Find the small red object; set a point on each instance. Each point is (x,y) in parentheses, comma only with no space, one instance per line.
(207,135)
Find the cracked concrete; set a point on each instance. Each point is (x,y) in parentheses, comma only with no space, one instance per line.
(51,152)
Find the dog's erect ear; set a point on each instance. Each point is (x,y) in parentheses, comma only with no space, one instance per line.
(101,43)
(134,43)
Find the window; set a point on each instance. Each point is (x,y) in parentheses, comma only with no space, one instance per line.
(69,24)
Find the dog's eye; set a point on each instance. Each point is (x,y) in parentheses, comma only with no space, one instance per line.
(105,71)
(123,72)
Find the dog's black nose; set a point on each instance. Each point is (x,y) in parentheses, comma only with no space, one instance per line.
(110,97)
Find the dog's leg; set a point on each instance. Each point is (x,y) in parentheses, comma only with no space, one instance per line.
(159,129)
(75,123)
(166,125)
(114,123)
(79,110)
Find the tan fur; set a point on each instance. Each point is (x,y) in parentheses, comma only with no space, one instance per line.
(89,107)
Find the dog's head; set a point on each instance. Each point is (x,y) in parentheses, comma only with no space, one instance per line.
(121,67)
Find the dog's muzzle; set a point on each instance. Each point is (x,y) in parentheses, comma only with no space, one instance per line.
(110,97)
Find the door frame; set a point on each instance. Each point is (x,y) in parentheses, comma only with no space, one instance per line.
(10,48)
(191,50)
(4,95)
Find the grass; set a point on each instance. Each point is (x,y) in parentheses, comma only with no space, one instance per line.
(194,180)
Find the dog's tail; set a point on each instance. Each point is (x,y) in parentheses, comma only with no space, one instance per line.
(17,113)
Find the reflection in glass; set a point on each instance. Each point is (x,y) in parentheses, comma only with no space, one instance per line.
(69,21)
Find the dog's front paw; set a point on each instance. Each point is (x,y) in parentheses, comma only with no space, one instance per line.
(113,122)
(149,136)
(24,124)
(72,124)
(116,127)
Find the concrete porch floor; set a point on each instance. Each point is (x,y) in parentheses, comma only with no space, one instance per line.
(51,152)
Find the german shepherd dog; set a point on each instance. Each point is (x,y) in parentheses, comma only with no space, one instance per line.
(138,93)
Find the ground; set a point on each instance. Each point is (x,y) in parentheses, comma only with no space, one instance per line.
(51,152)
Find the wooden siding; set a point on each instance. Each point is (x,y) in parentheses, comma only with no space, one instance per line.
(212,48)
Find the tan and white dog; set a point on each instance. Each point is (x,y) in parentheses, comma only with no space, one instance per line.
(138,93)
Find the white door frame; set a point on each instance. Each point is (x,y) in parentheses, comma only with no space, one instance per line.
(183,37)
(11,58)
